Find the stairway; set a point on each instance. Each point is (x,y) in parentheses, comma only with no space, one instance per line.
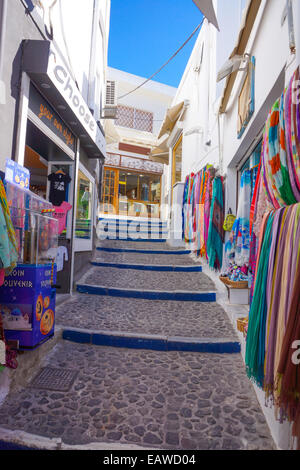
(154,361)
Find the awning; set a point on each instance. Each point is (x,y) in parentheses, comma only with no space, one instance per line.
(111,134)
(249,17)
(48,71)
(160,153)
(171,118)
(207,8)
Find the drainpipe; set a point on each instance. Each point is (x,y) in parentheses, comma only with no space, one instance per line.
(3,10)
(297,31)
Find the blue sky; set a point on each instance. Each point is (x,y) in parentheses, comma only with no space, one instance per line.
(144,34)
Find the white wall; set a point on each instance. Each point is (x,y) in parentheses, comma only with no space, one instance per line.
(81,30)
(267,36)
(198,85)
(154,97)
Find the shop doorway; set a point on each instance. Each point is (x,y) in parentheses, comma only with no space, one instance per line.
(131,194)
(52,177)
(110,193)
(176,164)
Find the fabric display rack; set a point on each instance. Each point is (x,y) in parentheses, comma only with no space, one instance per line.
(273,332)
(8,261)
(203,215)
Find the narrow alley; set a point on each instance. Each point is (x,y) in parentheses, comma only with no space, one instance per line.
(152,368)
(149,228)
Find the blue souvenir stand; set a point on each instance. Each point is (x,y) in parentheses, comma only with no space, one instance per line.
(27,297)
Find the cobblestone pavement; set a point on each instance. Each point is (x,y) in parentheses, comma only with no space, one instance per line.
(157,280)
(144,258)
(163,400)
(170,401)
(187,319)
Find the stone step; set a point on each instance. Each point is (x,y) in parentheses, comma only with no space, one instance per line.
(186,296)
(145,317)
(132,222)
(122,237)
(142,280)
(148,267)
(111,249)
(151,342)
(144,258)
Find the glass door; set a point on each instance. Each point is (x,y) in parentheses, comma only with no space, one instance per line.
(110,191)
(176,164)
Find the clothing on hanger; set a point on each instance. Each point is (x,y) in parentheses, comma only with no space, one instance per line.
(58,187)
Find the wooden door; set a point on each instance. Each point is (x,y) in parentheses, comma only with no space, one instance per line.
(110,191)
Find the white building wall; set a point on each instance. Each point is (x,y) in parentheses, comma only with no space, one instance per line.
(81,31)
(270,75)
(154,97)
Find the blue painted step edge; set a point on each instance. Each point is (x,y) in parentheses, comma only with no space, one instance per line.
(153,344)
(131,221)
(150,295)
(155,240)
(133,232)
(147,267)
(153,252)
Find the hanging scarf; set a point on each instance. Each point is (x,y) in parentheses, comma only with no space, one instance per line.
(9,247)
(288,379)
(207,204)
(216,232)
(273,289)
(255,346)
(238,246)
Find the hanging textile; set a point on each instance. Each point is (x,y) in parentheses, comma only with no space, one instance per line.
(216,232)
(8,245)
(281,148)
(207,204)
(255,346)
(237,248)
(288,376)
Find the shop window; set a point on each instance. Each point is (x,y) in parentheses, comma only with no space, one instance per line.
(130,193)
(252,164)
(246,99)
(176,163)
(84,207)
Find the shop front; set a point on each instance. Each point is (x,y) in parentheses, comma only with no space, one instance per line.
(62,142)
(131,187)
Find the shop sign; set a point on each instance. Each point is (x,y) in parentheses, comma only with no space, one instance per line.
(138,164)
(17,174)
(46,114)
(60,76)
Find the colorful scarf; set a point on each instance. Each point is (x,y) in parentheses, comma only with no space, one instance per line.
(216,232)
(237,248)
(255,346)
(8,245)
(288,373)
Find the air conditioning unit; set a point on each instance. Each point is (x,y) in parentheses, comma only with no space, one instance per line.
(110,105)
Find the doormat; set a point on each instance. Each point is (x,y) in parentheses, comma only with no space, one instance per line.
(59,380)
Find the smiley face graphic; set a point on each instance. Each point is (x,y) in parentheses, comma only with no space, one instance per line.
(46,302)
(47,322)
(39,307)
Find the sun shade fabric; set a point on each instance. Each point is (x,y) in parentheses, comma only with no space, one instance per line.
(207,8)
(249,17)
(170,119)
